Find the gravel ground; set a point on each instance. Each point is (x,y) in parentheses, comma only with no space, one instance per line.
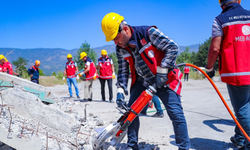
(209,124)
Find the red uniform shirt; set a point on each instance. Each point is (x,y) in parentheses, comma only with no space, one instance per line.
(71,69)
(105,67)
(186,69)
(91,73)
(6,67)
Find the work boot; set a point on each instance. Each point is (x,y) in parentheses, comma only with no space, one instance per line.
(84,100)
(159,115)
(237,144)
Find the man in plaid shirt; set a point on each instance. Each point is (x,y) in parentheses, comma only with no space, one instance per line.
(151,56)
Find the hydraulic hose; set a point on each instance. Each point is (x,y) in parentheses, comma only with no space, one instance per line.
(218,92)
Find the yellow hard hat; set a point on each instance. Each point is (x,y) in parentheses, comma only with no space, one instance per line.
(69,56)
(2,57)
(110,25)
(82,55)
(104,52)
(37,63)
(225,1)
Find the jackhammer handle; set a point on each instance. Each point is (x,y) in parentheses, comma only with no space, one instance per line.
(154,85)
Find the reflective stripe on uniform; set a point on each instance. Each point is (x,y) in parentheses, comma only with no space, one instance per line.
(235,22)
(235,74)
(126,55)
(177,86)
(145,47)
(105,76)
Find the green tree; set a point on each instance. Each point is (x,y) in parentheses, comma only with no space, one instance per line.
(53,74)
(85,47)
(115,61)
(41,72)
(201,55)
(193,57)
(20,64)
(184,57)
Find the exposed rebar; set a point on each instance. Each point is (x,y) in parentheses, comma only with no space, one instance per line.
(2,104)
(22,128)
(47,147)
(37,128)
(85,113)
(10,119)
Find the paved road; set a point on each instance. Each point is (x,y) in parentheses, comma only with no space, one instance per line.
(209,124)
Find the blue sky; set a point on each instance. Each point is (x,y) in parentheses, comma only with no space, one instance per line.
(67,24)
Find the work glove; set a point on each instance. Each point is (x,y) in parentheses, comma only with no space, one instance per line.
(63,78)
(161,77)
(94,77)
(113,75)
(120,99)
(210,72)
(77,77)
(81,74)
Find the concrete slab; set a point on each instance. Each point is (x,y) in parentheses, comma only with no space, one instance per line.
(20,143)
(28,85)
(209,124)
(29,106)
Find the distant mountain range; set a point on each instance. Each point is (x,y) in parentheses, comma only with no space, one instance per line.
(54,59)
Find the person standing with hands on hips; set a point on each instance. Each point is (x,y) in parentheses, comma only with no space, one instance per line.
(106,70)
(230,32)
(90,74)
(34,72)
(70,70)
(151,56)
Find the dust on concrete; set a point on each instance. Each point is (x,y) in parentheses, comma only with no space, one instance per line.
(209,124)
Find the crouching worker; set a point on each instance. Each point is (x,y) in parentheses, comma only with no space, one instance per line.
(34,72)
(151,56)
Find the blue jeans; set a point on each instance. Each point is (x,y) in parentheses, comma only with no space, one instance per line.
(69,82)
(35,81)
(240,98)
(172,103)
(157,104)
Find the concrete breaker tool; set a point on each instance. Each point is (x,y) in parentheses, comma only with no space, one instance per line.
(117,130)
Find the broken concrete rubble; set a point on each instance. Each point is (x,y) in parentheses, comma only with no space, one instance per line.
(32,125)
(44,94)
(31,107)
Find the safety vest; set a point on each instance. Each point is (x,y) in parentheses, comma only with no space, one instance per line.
(152,57)
(105,71)
(186,69)
(234,64)
(70,69)
(90,74)
(35,71)
(6,67)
